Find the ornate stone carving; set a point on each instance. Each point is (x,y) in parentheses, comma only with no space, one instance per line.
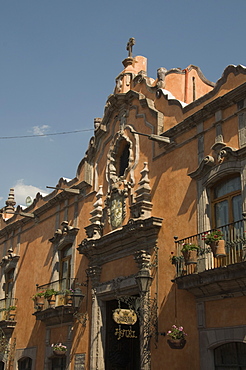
(10,202)
(97,123)
(121,140)
(161,75)
(116,206)
(226,153)
(94,230)
(66,234)
(142,258)
(125,241)
(9,261)
(203,168)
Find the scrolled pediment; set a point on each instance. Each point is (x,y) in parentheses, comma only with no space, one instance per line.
(64,235)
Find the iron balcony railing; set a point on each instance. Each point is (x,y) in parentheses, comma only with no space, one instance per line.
(8,308)
(61,289)
(235,250)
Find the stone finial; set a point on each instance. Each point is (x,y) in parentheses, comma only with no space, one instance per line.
(10,202)
(93,231)
(142,207)
(97,211)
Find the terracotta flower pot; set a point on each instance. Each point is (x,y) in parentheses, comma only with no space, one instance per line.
(176,343)
(218,248)
(68,300)
(190,257)
(10,315)
(52,301)
(59,353)
(39,303)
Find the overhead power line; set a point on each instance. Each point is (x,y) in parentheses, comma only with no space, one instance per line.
(42,135)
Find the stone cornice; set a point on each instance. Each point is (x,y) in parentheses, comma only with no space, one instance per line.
(136,235)
(51,200)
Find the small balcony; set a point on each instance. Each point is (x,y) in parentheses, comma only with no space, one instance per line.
(57,302)
(8,307)
(214,274)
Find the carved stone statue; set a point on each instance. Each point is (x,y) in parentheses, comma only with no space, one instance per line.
(161,75)
(129,46)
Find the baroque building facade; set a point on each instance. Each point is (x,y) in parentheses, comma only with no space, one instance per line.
(101,254)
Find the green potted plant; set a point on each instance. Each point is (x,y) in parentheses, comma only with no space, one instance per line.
(38,299)
(215,240)
(176,337)
(190,252)
(50,295)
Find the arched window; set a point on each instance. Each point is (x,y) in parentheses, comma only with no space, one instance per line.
(226,202)
(231,356)
(122,157)
(25,363)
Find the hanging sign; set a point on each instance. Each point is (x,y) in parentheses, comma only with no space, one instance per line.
(123,316)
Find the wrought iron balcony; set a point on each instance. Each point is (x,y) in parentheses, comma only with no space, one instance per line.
(211,274)
(53,301)
(8,307)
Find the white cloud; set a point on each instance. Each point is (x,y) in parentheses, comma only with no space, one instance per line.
(22,191)
(40,130)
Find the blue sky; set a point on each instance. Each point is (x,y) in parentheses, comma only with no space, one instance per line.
(59,60)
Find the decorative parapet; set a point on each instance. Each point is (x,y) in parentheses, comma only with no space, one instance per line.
(142,207)
(66,234)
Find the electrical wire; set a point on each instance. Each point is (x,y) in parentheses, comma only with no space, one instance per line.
(43,135)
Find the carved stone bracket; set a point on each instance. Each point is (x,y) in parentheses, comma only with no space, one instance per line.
(142,258)
(94,273)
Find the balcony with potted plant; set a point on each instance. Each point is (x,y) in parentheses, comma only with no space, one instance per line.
(8,307)
(55,302)
(221,262)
